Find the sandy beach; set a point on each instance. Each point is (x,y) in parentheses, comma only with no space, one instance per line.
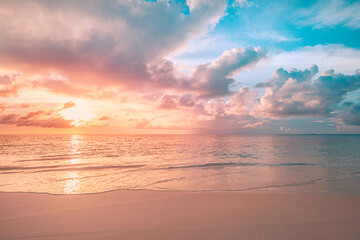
(179,215)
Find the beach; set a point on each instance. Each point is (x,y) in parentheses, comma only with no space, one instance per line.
(179,120)
(141,214)
(87,187)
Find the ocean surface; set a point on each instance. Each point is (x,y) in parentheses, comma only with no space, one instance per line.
(71,164)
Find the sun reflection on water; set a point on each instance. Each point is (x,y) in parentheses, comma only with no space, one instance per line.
(72,183)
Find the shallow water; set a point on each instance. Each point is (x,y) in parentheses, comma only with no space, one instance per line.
(69,164)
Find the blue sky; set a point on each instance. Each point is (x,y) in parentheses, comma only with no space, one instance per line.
(289,25)
(285,25)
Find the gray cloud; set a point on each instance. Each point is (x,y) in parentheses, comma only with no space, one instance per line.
(351,115)
(296,93)
(214,78)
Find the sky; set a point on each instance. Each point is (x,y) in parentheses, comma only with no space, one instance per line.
(179,67)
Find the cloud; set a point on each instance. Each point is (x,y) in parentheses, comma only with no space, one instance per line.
(116,56)
(10,91)
(61,86)
(141,123)
(25,105)
(272,36)
(238,105)
(118,45)
(115,43)
(186,100)
(229,116)
(8,78)
(330,14)
(241,102)
(296,93)
(208,80)
(69,104)
(329,56)
(351,115)
(214,78)
(35,119)
(170,102)
(285,129)
(104,118)
(4,106)
(9,87)
(243,3)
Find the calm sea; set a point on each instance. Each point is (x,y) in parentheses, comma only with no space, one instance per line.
(69,164)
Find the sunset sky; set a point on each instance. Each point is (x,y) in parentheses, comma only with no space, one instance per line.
(177,66)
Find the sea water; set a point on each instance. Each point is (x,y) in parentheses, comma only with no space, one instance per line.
(73,164)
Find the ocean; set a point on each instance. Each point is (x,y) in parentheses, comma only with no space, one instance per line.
(74,164)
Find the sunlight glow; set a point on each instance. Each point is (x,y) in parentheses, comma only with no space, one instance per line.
(80,113)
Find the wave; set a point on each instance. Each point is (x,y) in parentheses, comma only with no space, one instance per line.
(87,167)
(255,188)
(72,167)
(209,165)
(295,164)
(244,164)
(50,159)
(167,180)
(234,155)
(92,168)
(11,168)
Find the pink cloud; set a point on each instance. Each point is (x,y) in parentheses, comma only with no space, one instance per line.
(104,118)
(39,118)
(18,120)
(68,105)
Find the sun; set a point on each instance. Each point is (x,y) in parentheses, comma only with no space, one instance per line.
(80,113)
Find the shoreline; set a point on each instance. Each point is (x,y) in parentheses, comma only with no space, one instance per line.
(251,191)
(149,214)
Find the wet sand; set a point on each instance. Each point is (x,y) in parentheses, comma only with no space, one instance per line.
(179,215)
